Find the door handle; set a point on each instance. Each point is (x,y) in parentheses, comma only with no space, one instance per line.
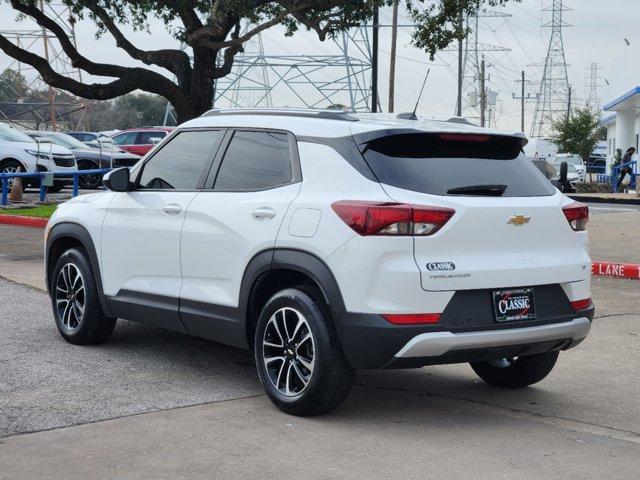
(263,213)
(172,209)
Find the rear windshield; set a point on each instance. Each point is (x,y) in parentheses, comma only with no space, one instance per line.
(452,164)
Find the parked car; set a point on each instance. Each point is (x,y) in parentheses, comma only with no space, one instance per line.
(140,140)
(18,150)
(597,165)
(88,138)
(89,158)
(572,159)
(573,178)
(328,242)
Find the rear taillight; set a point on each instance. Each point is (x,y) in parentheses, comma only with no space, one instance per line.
(581,304)
(578,215)
(412,318)
(401,219)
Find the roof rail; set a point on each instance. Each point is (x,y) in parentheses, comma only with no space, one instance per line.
(287,112)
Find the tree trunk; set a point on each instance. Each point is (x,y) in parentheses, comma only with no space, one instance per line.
(200,92)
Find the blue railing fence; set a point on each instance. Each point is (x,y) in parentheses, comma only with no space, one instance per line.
(4,178)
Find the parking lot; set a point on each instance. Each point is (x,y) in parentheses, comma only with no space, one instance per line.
(151,403)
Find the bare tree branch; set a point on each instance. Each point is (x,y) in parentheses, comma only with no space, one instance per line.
(102,91)
(176,61)
(148,80)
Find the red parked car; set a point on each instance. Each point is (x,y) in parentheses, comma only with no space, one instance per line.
(139,140)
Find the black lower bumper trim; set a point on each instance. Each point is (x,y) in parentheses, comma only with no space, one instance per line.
(369,341)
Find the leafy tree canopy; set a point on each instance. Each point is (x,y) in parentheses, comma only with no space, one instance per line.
(212,31)
(580,133)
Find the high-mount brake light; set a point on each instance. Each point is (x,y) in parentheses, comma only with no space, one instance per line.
(464,137)
(577,215)
(392,219)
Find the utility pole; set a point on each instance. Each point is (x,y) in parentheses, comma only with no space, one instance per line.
(524,97)
(522,105)
(374,61)
(51,94)
(483,94)
(460,62)
(392,61)
(569,104)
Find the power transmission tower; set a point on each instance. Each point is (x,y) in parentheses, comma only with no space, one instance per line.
(553,95)
(471,64)
(40,105)
(592,84)
(248,83)
(339,78)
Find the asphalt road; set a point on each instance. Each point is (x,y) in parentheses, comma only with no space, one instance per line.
(91,409)
(155,404)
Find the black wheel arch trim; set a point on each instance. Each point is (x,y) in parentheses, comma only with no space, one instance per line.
(80,234)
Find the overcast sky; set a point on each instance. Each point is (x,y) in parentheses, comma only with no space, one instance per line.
(597,34)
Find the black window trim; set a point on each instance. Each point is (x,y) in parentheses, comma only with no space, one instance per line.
(205,171)
(294,159)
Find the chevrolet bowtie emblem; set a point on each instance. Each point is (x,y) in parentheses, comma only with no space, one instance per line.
(518,220)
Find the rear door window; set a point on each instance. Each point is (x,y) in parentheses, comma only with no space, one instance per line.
(255,160)
(127,138)
(454,164)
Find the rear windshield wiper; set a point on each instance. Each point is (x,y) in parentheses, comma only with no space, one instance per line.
(483,190)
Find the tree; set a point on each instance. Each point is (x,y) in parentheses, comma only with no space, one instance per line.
(212,32)
(579,133)
(13,86)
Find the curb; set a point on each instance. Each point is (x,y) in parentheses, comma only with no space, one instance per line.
(22,221)
(594,199)
(618,270)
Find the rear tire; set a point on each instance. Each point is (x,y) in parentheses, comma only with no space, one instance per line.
(298,356)
(74,298)
(516,373)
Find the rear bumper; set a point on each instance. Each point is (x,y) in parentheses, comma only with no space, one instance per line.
(436,344)
(368,341)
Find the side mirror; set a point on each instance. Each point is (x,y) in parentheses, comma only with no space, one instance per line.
(117,180)
(155,140)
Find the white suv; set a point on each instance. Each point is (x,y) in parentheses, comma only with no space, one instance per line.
(19,151)
(329,242)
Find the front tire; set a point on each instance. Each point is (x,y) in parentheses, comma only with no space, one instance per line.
(298,356)
(516,373)
(74,298)
(88,182)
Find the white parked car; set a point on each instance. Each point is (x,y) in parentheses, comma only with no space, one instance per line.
(328,242)
(18,150)
(573,177)
(574,160)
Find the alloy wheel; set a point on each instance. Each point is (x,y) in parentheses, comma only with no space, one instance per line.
(70,296)
(10,169)
(288,351)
